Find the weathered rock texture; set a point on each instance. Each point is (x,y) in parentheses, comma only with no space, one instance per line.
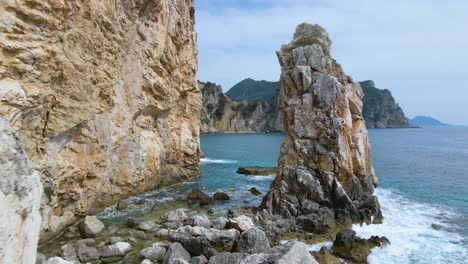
(325,173)
(221,114)
(20,198)
(103,95)
(380,109)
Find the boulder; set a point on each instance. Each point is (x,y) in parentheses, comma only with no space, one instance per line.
(198,196)
(59,260)
(175,253)
(69,252)
(198,239)
(219,223)
(176,216)
(147,225)
(86,254)
(227,258)
(350,247)
(252,241)
(241,223)
(118,249)
(147,261)
(254,191)
(122,205)
(293,252)
(199,260)
(258,171)
(91,226)
(221,196)
(200,220)
(155,253)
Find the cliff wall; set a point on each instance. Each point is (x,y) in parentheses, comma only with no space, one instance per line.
(104,97)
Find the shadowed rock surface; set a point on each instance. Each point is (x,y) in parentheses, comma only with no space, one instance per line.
(263,171)
(325,176)
(380,109)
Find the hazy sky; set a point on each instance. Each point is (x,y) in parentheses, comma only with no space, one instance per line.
(418,49)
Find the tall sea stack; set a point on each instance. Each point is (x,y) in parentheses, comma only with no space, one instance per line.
(325,176)
(103,95)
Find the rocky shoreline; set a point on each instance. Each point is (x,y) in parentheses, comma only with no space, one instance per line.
(182,236)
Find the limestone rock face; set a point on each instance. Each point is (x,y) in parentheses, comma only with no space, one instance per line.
(103,95)
(380,109)
(20,198)
(221,114)
(325,172)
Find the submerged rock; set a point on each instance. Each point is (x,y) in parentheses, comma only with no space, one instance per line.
(254,191)
(259,171)
(324,168)
(348,246)
(122,205)
(91,226)
(198,196)
(221,196)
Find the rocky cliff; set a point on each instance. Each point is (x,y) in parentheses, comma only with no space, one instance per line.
(221,114)
(20,198)
(380,109)
(325,176)
(103,95)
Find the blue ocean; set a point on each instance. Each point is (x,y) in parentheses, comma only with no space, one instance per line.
(423,188)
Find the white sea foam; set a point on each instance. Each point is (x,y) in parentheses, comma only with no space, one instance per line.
(217,161)
(407,225)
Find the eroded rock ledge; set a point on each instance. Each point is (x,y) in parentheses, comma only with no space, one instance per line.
(325,176)
(104,97)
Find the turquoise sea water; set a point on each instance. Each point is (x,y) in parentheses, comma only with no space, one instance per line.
(423,176)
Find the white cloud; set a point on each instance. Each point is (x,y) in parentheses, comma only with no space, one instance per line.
(416,48)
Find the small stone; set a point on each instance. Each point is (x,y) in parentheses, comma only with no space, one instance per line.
(201,197)
(86,241)
(122,205)
(254,191)
(147,225)
(153,253)
(200,220)
(86,254)
(147,261)
(116,239)
(59,260)
(69,252)
(91,226)
(118,249)
(219,223)
(221,196)
(176,216)
(241,223)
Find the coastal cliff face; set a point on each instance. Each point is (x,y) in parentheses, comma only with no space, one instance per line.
(221,114)
(325,176)
(20,198)
(380,109)
(104,97)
